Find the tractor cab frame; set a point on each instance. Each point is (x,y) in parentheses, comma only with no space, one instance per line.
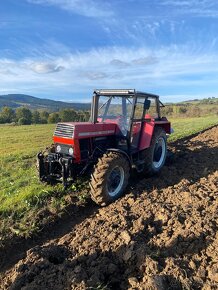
(130,112)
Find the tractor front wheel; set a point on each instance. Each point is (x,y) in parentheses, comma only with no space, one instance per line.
(110,178)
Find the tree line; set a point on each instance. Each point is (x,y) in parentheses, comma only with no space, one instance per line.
(190,110)
(25,116)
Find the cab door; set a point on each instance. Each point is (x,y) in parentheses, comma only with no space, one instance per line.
(140,107)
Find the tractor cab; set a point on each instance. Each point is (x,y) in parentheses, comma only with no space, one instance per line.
(129,110)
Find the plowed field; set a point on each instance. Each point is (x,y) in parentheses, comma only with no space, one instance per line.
(161,235)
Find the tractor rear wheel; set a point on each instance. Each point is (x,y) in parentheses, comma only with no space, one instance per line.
(110,178)
(155,155)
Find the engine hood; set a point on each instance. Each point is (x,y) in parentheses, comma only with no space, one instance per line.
(77,130)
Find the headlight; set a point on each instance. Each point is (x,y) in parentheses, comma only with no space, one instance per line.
(70,151)
(58,148)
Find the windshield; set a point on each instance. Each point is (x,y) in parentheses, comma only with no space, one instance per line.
(113,109)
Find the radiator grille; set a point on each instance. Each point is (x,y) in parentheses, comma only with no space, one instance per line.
(64,130)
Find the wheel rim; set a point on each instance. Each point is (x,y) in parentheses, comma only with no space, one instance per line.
(159,152)
(115,181)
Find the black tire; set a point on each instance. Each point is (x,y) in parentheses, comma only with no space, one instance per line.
(155,156)
(110,178)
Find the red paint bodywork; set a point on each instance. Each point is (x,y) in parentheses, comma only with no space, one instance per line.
(85,127)
(148,129)
(85,130)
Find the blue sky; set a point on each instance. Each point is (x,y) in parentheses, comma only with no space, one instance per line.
(63,49)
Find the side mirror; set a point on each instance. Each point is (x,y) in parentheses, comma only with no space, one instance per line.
(147,104)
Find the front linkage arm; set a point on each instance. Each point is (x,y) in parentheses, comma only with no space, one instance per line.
(54,168)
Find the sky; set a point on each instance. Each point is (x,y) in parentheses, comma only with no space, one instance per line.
(64,49)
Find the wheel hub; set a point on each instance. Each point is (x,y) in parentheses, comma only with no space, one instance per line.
(157,153)
(115,181)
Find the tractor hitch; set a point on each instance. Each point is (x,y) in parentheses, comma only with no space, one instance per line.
(54,168)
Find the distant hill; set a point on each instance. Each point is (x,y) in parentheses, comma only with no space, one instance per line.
(212,100)
(18,100)
(208,101)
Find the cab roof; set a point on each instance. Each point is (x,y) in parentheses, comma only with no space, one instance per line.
(123,92)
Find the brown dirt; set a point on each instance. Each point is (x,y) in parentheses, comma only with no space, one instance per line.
(161,235)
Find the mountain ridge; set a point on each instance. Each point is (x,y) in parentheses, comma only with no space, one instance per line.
(18,100)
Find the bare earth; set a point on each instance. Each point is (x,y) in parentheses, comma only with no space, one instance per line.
(161,235)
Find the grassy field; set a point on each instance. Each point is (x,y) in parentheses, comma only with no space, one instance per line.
(22,196)
(187,126)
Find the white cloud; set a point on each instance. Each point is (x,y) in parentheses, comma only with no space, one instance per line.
(94,75)
(174,68)
(7,72)
(204,8)
(44,68)
(119,63)
(89,8)
(148,60)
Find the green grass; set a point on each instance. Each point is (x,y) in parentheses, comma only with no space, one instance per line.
(16,140)
(18,180)
(22,196)
(187,126)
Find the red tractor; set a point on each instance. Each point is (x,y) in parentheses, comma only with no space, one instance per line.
(125,131)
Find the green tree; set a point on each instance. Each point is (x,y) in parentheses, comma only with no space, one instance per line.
(182,110)
(7,115)
(68,115)
(175,109)
(24,114)
(86,116)
(36,117)
(194,111)
(83,116)
(23,121)
(44,117)
(167,110)
(1,120)
(53,118)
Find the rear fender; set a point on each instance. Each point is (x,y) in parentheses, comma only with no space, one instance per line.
(121,152)
(148,131)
